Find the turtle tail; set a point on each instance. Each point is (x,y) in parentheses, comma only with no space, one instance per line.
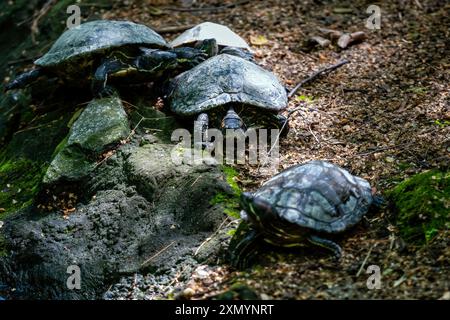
(327,244)
(24,79)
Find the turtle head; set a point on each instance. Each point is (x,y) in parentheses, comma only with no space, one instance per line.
(156,60)
(208,46)
(256,209)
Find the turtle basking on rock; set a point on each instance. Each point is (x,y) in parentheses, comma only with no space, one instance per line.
(307,202)
(227,41)
(106,50)
(230,92)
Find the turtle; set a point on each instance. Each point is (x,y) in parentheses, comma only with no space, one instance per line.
(103,50)
(227,41)
(231,93)
(310,201)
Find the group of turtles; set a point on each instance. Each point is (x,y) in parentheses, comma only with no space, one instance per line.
(208,73)
(205,73)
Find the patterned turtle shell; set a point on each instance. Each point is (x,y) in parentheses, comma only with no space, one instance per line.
(317,195)
(96,37)
(226,79)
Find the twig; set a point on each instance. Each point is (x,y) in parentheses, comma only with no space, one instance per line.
(42,12)
(212,236)
(173,29)
(348,38)
(279,133)
(158,253)
(224,7)
(134,129)
(362,154)
(365,260)
(310,129)
(333,34)
(196,180)
(316,74)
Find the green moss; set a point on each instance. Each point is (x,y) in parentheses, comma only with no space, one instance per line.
(230,175)
(229,201)
(19,182)
(422,205)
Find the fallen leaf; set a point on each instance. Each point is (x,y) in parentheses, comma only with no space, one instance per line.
(258,40)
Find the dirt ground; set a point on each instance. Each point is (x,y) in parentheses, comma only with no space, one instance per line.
(384,116)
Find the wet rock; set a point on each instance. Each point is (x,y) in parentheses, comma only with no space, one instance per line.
(102,124)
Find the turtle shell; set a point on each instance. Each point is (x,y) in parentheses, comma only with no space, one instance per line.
(225,79)
(318,195)
(98,36)
(208,30)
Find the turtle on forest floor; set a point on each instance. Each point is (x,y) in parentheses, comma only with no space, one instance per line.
(305,202)
(227,41)
(105,49)
(231,93)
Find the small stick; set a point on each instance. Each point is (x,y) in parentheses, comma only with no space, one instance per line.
(348,38)
(42,12)
(212,236)
(196,180)
(279,133)
(158,253)
(333,34)
(365,260)
(173,29)
(231,5)
(320,41)
(316,74)
(366,153)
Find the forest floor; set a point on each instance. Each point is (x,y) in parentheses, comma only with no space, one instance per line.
(384,116)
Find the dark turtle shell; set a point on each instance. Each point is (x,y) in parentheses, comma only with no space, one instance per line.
(225,79)
(96,37)
(318,195)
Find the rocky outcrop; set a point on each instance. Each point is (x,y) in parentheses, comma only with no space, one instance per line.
(102,124)
(119,231)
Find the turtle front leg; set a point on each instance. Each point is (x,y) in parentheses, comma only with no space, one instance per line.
(244,246)
(325,243)
(100,88)
(24,79)
(201,125)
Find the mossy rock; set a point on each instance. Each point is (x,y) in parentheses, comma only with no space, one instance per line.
(19,183)
(422,205)
(230,201)
(102,124)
